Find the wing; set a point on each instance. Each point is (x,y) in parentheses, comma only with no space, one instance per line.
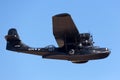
(64,30)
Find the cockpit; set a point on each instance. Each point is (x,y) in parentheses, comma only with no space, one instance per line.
(50,47)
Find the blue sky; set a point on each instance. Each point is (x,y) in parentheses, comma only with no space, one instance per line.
(33,20)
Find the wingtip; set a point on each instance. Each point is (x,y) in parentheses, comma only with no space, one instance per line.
(62,15)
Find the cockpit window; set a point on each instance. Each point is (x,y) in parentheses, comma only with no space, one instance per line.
(50,47)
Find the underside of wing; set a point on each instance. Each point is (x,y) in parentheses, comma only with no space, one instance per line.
(64,30)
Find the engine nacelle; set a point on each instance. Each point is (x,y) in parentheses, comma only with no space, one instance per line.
(85,36)
(86,39)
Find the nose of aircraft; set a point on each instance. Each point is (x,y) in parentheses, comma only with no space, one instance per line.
(107,50)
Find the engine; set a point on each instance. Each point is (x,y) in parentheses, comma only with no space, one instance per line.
(86,39)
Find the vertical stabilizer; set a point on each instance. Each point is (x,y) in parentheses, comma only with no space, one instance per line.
(13,32)
(12,39)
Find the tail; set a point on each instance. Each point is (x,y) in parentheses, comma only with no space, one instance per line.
(14,43)
(13,40)
(13,32)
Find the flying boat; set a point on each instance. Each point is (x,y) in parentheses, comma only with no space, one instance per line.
(72,45)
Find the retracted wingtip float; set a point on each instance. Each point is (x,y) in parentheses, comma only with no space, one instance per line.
(72,45)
